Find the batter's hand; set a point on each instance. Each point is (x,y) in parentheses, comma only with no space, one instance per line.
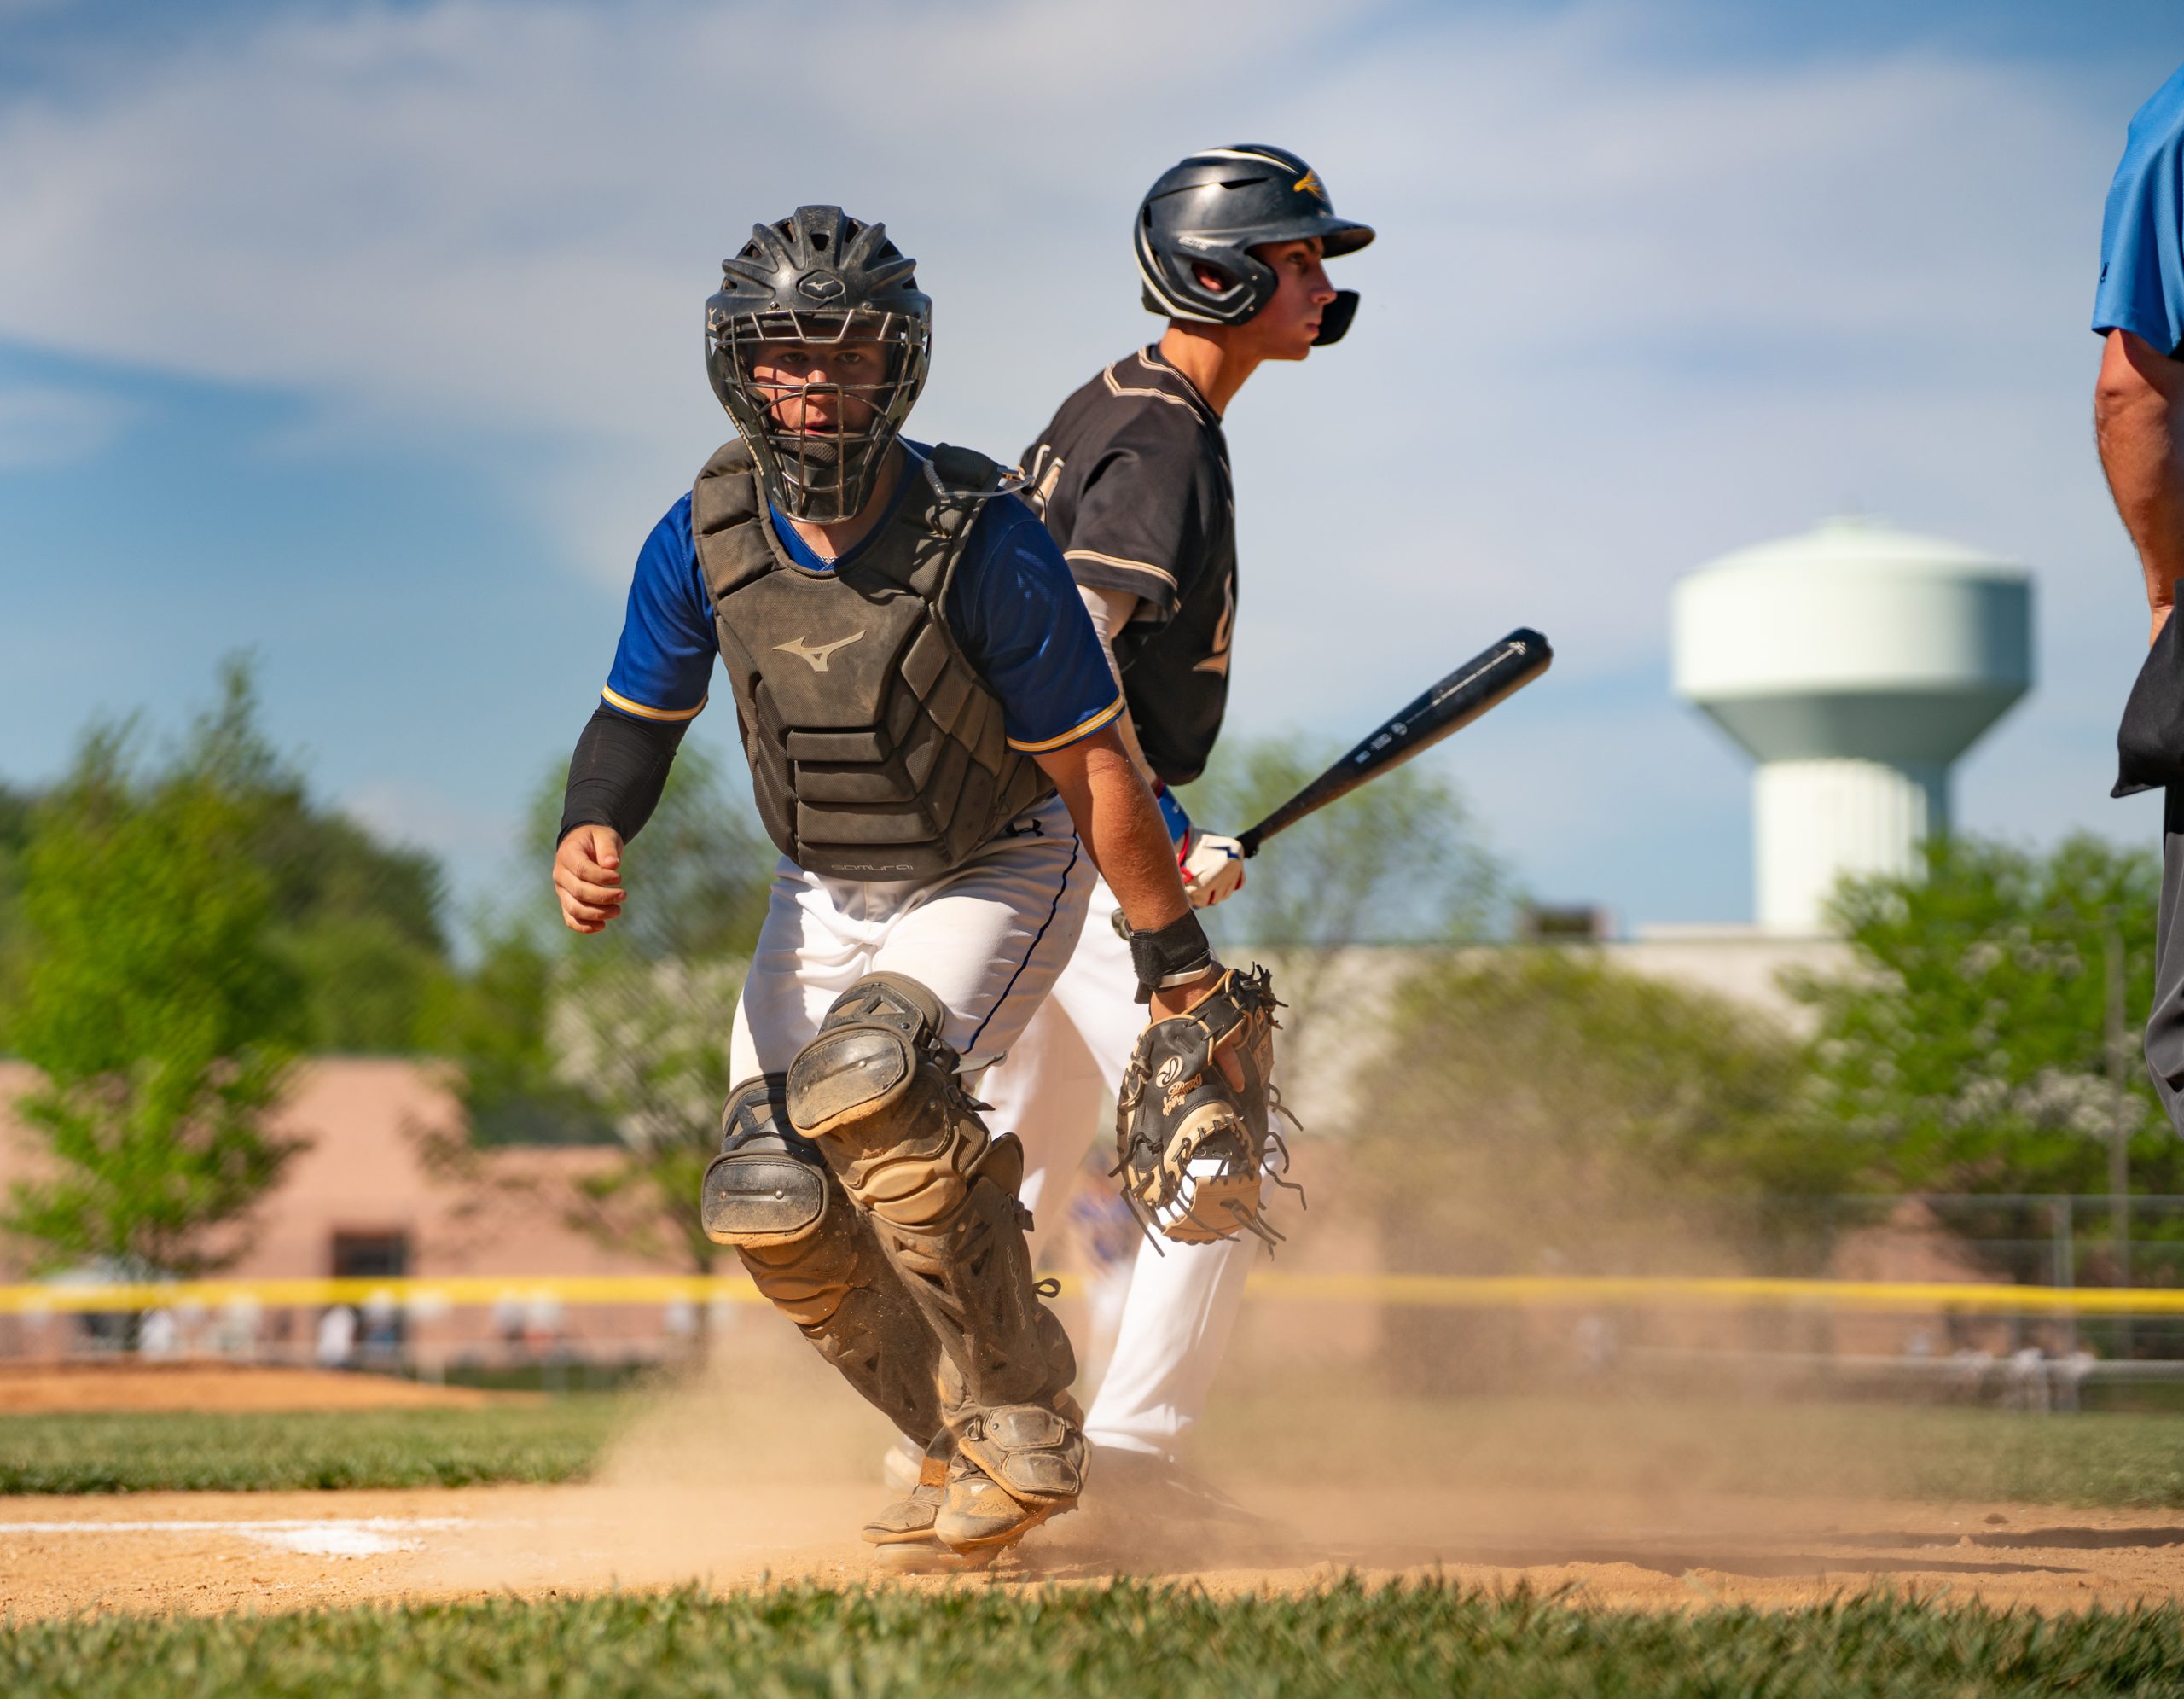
(588,877)
(1213,870)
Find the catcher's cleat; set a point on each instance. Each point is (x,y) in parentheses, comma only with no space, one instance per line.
(910,1520)
(928,1557)
(980,1520)
(1014,1468)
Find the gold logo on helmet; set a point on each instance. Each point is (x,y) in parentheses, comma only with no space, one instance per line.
(1310,184)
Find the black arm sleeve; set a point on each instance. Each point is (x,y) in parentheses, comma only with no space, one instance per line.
(617,773)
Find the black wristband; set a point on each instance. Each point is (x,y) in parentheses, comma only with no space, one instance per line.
(1175,953)
(619,770)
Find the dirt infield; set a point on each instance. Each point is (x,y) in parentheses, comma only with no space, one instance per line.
(70,1388)
(213,1552)
(763,1472)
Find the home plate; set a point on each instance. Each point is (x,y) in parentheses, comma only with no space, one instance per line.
(334,1537)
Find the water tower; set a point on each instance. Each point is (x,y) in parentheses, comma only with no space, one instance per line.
(1855,663)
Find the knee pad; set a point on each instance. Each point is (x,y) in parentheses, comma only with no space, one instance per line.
(875,1040)
(878,1089)
(769,1185)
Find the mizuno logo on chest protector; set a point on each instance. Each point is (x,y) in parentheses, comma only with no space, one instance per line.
(880,752)
(817,654)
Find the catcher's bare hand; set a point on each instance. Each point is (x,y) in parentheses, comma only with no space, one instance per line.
(588,877)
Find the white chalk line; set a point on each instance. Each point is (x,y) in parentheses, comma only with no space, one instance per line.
(330,1537)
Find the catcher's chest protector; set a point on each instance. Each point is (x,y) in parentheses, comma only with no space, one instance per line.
(876,751)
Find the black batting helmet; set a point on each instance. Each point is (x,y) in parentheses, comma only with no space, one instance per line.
(1212,209)
(819,276)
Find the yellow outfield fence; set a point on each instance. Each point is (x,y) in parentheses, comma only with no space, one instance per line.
(1659,1292)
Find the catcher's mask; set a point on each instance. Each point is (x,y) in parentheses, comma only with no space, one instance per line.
(1217,206)
(823,280)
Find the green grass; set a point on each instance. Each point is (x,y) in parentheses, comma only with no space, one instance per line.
(2125,1460)
(1126,1639)
(274,1452)
(1625,1442)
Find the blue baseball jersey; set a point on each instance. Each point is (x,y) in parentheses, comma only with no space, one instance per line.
(1012,606)
(2141,286)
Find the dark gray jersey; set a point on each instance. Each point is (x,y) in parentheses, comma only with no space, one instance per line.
(1132,478)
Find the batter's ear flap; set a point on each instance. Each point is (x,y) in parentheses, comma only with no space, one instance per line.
(1335,316)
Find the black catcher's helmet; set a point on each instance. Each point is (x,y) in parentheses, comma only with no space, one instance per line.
(1212,209)
(819,276)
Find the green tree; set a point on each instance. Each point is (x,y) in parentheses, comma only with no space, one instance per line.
(1395,862)
(1536,1109)
(643,1014)
(496,1022)
(158,1010)
(698,875)
(1549,1097)
(359,920)
(15,808)
(1969,1049)
(356,920)
(623,1037)
(650,1042)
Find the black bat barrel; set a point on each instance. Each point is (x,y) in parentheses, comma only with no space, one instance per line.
(1454,702)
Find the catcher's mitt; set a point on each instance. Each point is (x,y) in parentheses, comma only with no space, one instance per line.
(1193,1149)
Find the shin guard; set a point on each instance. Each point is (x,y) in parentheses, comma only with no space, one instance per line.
(878,1090)
(770,1194)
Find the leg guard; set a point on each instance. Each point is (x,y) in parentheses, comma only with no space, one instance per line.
(769,1194)
(878,1088)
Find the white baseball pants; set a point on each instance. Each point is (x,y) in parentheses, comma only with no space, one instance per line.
(988,941)
(1183,1299)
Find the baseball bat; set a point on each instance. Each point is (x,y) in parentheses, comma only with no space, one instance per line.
(1485,679)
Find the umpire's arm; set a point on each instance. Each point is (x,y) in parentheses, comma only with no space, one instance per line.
(2138,420)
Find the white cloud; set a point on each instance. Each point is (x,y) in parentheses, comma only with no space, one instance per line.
(1625,313)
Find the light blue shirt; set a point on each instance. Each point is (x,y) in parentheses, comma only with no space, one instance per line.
(2141,286)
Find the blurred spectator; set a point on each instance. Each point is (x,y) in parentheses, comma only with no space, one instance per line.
(337,1337)
(2138,311)
(541,1324)
(2025,1385)
(382,1342)
(236,1333)
(159,1335)
(508,1320)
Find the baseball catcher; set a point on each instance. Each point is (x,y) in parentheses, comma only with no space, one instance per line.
(928,718)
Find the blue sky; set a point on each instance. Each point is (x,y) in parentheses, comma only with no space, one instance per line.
(365,337)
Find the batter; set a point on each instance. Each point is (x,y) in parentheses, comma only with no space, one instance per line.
(1132,478)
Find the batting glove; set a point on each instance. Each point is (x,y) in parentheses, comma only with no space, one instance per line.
(1213,869)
